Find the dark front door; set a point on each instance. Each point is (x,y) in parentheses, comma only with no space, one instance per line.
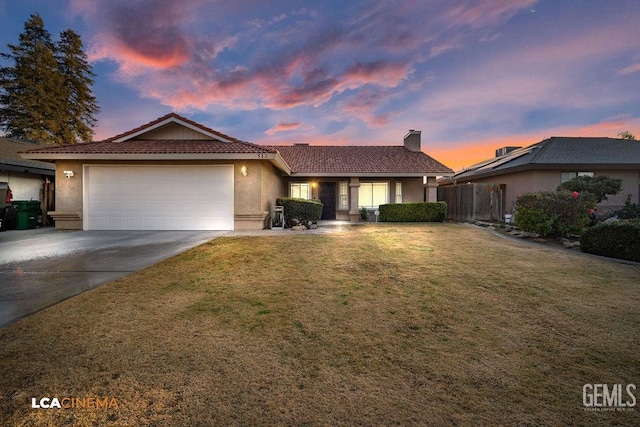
(327,195)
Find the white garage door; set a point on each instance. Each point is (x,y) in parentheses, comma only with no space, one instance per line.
(158,197)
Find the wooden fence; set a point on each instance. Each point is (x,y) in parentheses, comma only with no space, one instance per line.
(473,201)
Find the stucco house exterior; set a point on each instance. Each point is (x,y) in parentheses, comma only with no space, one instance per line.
(28,179)
(176,174)
(545,165)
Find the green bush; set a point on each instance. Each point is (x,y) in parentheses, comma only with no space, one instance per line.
(630,210)
(600,186)
(615,239)
(413,212)
(555,213)
(364,214)
(301,210)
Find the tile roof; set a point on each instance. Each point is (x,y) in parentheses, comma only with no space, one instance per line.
(302,159)
(561,152)
(310,159)
(156,147)
(151,124)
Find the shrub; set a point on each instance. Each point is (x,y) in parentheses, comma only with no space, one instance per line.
(413,212)
(600,186)
(299,209)
(556,213)
(615,239)
(364,214)
(630,210)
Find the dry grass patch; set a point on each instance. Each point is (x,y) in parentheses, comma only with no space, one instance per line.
(381,325)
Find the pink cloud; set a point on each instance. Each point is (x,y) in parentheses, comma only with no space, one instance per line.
(483,14)
(138,35)
(633,68)
(283,127)
(169,51)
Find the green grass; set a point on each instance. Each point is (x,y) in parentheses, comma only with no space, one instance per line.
(433,324)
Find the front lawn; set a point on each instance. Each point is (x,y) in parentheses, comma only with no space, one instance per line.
(432,324)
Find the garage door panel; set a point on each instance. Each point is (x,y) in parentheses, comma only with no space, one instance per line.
(159,197)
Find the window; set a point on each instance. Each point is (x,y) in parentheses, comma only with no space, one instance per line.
(567,176)
(373,194)
(398,192)
(300,190)
(343,196)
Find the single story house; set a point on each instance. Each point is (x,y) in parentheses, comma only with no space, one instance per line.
(176,174)
(28,179)
(545,165)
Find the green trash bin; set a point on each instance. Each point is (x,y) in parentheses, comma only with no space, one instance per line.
(26,213)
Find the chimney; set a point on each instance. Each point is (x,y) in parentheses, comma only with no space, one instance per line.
(505,150)
(412,140)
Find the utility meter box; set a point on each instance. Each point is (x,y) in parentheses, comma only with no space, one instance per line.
(278,218)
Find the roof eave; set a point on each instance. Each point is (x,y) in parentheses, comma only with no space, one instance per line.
(368,174)
(279,162)
(149,156)
(35,170)
(545,166)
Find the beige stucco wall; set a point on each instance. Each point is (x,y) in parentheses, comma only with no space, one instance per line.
(68,213)
(174,131)
(253,195)
(412,190)
(630,185)
(548,180)
(256,193)
(273,186)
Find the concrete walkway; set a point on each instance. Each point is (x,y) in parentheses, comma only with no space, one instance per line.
(42,267)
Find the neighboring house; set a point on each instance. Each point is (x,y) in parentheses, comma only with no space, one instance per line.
(28,179)
(547,164)
(176,174)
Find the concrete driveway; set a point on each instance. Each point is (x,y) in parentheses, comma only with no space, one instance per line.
(41,267)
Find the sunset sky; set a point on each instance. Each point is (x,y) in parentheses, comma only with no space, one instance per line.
(473,76)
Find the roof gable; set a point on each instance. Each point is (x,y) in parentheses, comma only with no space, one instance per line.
(172,126)
(174,138)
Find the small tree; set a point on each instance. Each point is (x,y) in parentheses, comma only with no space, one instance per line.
(600,186)
(627,135)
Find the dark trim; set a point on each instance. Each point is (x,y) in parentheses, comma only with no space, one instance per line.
(560,167)
(27,169)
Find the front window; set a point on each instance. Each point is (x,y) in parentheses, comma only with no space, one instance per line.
(373,194)
(343,196)
(568,176)
(300,190)
(398,192)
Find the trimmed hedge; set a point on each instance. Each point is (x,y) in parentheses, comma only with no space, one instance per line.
(555,213)
(413,212)
(300,209)
(615,239)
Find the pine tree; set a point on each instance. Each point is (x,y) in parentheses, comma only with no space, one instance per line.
(80,103)
(46,94)
(31,88)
